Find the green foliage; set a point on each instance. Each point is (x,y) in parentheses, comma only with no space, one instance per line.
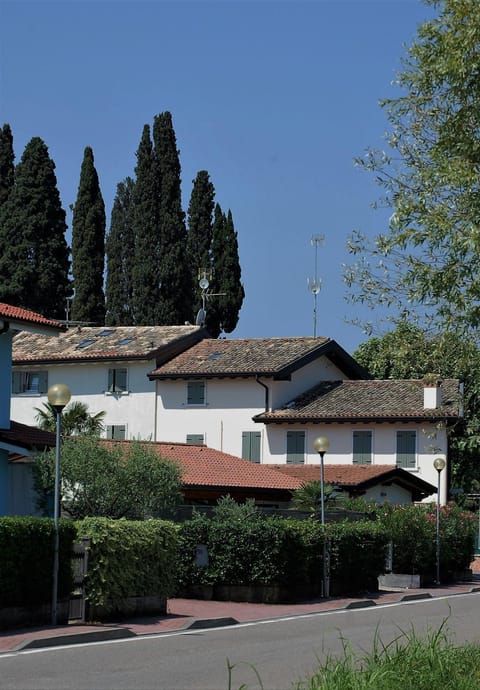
(76,419)
(146,230)
(34,261)
(26,545)
(224,311)
(175,304)
(309,496)
(200,229)
(7,158)
(120,248)
(88,246)
(409,352)
(426,265)
(412,529)
(409,662)
(114,481)
(129,558)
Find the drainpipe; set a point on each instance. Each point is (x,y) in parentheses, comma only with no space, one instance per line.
(267,393)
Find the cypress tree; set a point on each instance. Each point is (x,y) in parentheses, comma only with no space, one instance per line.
(223,311)
(146,262)
(200,229)
(34,256)
(176,301)
(7,158)
(88,246)
(120,248)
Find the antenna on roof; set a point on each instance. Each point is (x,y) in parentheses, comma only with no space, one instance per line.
(314,284)
(204,278)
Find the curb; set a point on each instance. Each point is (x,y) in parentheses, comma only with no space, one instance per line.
(75,638)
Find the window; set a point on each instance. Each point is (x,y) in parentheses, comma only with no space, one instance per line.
(196,393)
(295,447)
(195,439)
(251,445)
(117,381)
(85,343)
(116,431)
(406,449)
(125,341)
(32,382)
(362,447)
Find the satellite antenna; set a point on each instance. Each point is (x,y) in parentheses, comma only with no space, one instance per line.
(314,284)
(204,278)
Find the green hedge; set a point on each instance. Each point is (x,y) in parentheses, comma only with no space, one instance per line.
(285,552)
(129,558)
(26,560)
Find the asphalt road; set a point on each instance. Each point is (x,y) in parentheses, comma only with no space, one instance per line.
(281,651)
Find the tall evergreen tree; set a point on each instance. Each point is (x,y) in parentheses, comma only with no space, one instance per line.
(34,256)
(120,248)
(7,158)
(200,229)
(176,300)
(223,311)
(146,261)
(88,246)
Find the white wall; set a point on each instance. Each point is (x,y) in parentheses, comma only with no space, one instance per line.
(88,383)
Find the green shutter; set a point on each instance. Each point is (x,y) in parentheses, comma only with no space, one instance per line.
(42,381)
(362,447)
(196,393)
(195,439)
(295,447)
(110,380)
(406,449)
(116,431)
(120,379)
(16,382)
(251,445)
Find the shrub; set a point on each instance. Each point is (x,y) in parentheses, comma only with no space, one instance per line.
(26,548)
(129,558)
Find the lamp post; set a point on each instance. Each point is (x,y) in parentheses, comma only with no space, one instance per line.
(58,396)
(439,464)
(321,445)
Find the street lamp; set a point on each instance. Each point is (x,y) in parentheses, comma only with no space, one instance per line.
(439,464)
(58,396)
(321,445)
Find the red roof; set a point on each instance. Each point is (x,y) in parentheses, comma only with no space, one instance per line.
(7,312)
(202,466)
(27,436)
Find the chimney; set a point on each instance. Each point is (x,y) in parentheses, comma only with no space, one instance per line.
(432,392)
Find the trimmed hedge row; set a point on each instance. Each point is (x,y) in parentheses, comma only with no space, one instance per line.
(129,559)
(26,560)
(288,553)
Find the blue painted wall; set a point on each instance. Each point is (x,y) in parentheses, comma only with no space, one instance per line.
(5,378)
(4,483)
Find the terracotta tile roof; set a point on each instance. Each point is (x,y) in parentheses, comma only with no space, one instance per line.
(105,343)
(202,466)
(357,476)
(243,357)
(7,312)
(28,437)
(366,401)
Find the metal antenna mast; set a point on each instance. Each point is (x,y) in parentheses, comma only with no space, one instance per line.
(314,284)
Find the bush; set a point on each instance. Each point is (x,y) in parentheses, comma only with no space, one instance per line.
(26,548)
(128,559)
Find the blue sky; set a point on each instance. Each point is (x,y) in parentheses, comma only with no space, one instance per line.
(274,99)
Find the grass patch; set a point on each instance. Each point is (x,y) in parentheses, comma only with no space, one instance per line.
(407,663)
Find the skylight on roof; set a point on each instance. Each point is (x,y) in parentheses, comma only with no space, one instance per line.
(107,331)
(125,341)
(215,355)
(85,343)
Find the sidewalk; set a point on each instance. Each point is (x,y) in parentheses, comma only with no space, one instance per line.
(188,614)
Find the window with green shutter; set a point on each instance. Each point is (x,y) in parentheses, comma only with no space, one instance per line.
(30,382)
(196,393)
(362,447)
(117,381)
(195,439)
(251,445)
(118,432)
(295,447)
(406,449)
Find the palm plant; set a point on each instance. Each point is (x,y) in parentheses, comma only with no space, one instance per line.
(308,496)
(76,420)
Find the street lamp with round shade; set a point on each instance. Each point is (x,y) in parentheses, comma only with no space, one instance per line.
(58,396)
(439,464)
(321,444)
